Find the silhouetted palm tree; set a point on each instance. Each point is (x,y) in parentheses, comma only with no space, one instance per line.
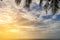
(52,5)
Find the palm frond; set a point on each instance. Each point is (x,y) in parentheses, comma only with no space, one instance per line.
(50,4)
(27,3)
(46,5)
(17,2)
(53,5)
(40,3)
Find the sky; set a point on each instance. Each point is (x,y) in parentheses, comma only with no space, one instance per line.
(28,24)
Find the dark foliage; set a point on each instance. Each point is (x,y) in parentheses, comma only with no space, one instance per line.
(17,2)
(40,2)
(27,3)
(53,5)
(50,4)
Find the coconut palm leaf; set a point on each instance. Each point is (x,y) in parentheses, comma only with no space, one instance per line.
(53,5)
(17,2)
(46,5)
(40,3)
(27,3)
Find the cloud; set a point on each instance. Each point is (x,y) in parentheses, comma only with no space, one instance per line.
(35,24)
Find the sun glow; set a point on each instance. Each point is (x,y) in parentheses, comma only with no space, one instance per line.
(9,25)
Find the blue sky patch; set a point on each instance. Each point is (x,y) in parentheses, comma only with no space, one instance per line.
(47,17)
(57,18)
(37,7)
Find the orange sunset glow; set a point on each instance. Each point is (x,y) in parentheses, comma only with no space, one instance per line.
(10,25)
